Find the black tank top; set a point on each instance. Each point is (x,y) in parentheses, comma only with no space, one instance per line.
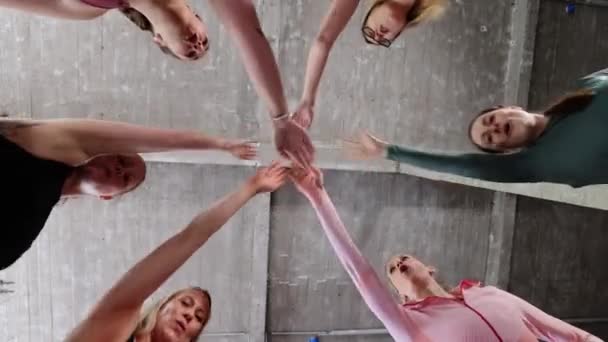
(31,187)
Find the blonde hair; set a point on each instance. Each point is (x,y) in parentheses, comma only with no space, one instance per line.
(426,11)
(147,319)
(422,11)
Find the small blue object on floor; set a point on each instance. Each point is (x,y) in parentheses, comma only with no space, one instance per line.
(570,8)
(313,339)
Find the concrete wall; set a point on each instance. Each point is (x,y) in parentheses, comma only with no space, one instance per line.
(87,245)
(445,225)
(271,270)
(421,92)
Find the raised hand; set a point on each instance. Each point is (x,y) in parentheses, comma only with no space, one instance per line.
(246,150)
(308,180)
(304,115)
(270,178)
(292,142)
(365,146)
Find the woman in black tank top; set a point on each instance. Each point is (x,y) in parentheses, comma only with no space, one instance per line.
(183,315)
(43,161)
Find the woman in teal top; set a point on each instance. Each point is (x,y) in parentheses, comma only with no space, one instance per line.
(566,144)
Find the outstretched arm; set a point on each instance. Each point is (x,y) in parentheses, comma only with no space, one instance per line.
(506,168)
(74,141)
(547,327)
(489,167)
(339,14)
(65,9)
(119,307)
(376,295)
(241,20)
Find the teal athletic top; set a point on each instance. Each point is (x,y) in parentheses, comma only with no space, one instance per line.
(572,150)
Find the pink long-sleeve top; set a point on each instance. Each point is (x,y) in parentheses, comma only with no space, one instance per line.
(106,4)
(475,313)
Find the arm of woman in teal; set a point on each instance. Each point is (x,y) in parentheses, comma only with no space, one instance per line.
(113,318)
(506,168)
(374,293)
(242,23)
(503,168)
(73,141)
(339,14)
(547,327)
(65,9)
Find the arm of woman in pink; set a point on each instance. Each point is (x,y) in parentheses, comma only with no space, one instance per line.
(241,21)
(374,293)
(339,14)
(545,326)
(65,9)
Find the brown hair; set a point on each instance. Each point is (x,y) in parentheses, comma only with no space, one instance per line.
(147,320)
(570,103)
(141,21)
(137,18)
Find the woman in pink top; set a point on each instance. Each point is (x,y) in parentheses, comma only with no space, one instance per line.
(470,312)
(181,33)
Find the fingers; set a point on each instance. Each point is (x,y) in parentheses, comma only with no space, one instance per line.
(273,167)
(306,152)
(248,155)
(296,160)
(276,169)
(303,158)
(282,174)
(351,144)
(246,150)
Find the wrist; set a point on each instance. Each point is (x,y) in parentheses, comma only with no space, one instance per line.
(314,194)
(222,144)
(250,188)
(281,120)
(307,101)
(385,151)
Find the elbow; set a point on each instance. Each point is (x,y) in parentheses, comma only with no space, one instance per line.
(324,42)
(365,274)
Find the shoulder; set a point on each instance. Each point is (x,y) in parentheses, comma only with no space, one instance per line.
(11,128)
(115,326)
(597,81)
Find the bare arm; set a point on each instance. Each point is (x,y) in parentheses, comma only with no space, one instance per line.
(374,293)
(73,141)
(242,23)
(65,9)
(121,304)
(241,20)
(339,14)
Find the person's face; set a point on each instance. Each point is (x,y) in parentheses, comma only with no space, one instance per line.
(408,274)
(503,129)
(184,37)
(183,317)
(107,176)
(385,22)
